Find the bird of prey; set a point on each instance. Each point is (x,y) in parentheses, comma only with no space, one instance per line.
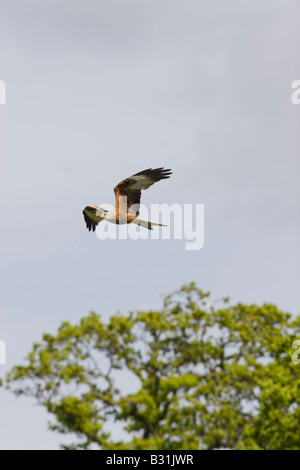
(128,197)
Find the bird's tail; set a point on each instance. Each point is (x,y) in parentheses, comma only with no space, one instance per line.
(146,224)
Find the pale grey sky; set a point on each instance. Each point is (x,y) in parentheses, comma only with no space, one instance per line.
(98,90)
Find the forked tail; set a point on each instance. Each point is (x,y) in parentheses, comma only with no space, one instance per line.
(146,224)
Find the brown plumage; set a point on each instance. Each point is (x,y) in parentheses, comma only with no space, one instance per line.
(131,187)
(128,197)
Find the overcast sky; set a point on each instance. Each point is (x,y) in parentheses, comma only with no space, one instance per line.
(98,90)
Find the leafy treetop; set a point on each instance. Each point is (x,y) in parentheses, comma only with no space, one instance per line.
(201,377)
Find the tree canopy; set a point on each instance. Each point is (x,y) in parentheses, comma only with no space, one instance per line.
(203,375)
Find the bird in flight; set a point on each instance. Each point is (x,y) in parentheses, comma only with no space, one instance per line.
(128,197)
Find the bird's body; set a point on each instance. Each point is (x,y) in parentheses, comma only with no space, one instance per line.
(116,218)
(128,196)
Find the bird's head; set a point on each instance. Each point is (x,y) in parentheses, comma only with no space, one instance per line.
(101,217)
(99,214)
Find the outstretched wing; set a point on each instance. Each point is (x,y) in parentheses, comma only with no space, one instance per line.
(132,187)
(92,216)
